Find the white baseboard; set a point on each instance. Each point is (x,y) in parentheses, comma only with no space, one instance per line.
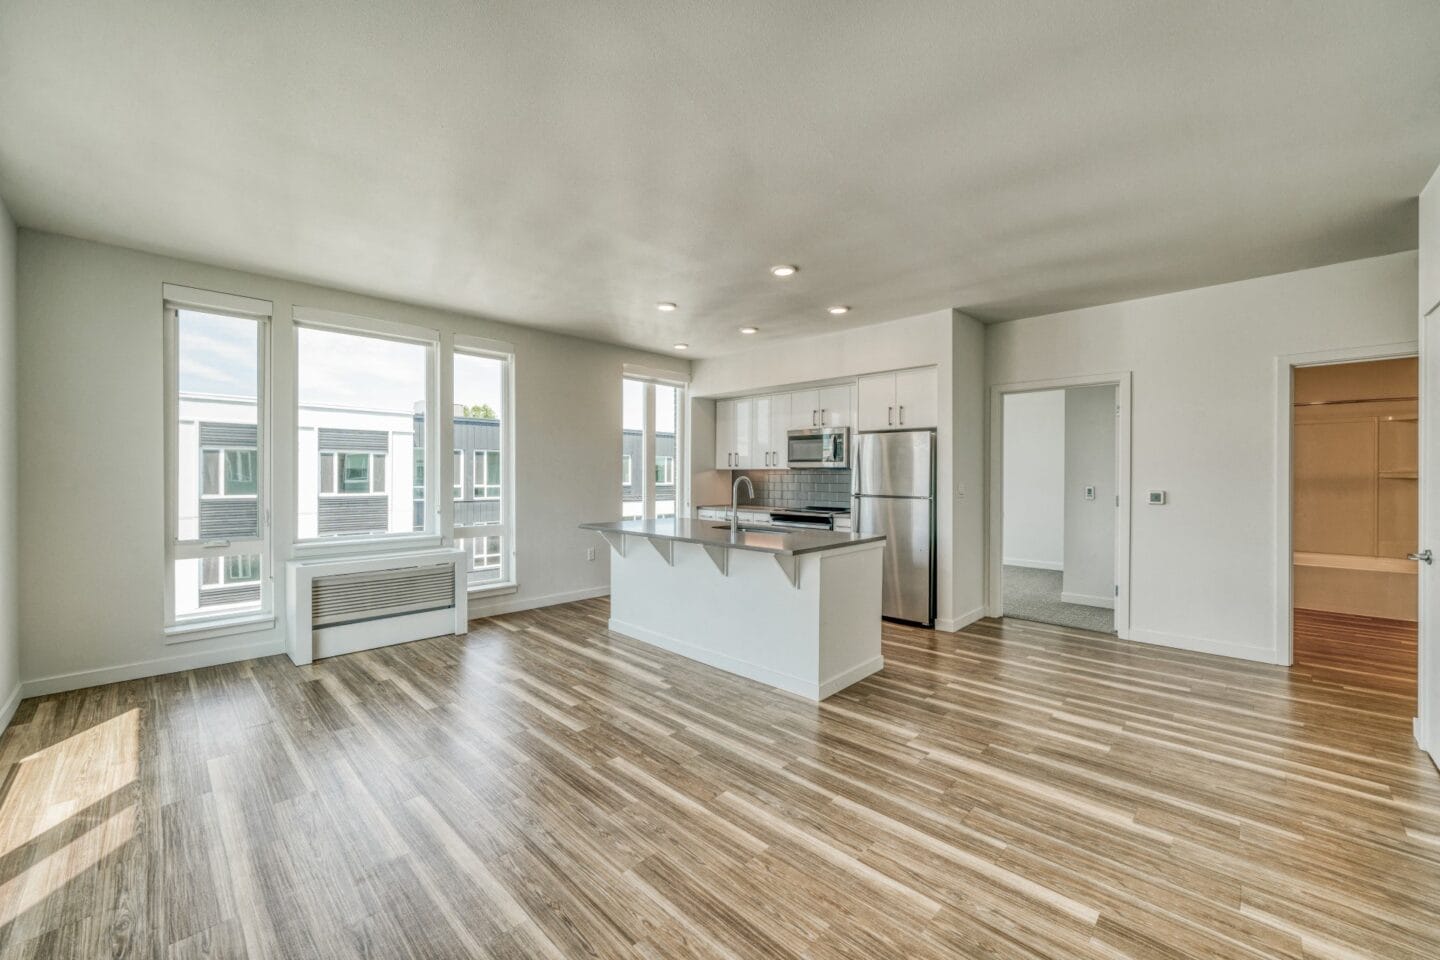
(480,607)
(1034,564)
(78,680)
(1087,600)
(855,674)
(12,703)
(751,671)
(1241,651)
(954,624)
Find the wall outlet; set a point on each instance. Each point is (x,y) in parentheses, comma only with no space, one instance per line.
(1089,493)
(590,553)
(1156,498)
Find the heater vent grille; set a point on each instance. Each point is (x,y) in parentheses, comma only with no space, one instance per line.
(352,597)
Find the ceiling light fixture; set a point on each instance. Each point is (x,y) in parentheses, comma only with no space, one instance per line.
(665,306)
(749,330)
(837,310)
(785,270)
(682,346)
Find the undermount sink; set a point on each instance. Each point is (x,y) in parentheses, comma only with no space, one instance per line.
(748,528)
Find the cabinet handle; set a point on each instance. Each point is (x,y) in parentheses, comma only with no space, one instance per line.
(889,416)
(814,414)
(822,416)
(902,414)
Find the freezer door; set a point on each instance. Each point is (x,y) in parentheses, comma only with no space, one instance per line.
(894,464)
(906,577)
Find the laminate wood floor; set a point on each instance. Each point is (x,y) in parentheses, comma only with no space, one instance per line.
(1363,653)
(542,788)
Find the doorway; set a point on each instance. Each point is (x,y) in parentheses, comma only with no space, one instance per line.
(1061,498)
(1354,510)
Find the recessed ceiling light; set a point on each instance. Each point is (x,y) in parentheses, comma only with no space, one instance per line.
(682,346)
(785,270)
(665,306)
(837,310)
(749,330)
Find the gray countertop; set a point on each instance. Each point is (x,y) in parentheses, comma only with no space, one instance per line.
(790,543)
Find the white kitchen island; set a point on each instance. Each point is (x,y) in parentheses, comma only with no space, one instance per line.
(799,610)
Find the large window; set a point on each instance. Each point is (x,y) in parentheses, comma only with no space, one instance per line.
(217,533)
(483,435)
(363,388)
(651,433)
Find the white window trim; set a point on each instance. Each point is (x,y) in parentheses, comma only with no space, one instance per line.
(315,318)
(199,625)
(464,344)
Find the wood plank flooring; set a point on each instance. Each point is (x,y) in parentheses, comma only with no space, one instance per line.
(1365,653)
(542,788)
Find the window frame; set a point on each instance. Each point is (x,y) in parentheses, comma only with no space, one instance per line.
(201,624)
(650,378)
(463,345)
(313,318)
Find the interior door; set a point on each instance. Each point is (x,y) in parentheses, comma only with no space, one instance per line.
(1428,725)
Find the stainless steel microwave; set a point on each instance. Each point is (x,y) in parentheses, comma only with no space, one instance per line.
(827,447)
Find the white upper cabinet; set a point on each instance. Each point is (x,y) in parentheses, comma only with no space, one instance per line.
(835,406)
(724,434)
(745,454)
(772,420)
(916,398)
(804,409)
(892,401)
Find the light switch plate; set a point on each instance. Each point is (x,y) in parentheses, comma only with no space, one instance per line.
(1089,493)
(1157,498)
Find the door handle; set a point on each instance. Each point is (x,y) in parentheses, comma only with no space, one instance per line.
(1424,555)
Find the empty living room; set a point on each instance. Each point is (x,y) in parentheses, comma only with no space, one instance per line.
(748,481)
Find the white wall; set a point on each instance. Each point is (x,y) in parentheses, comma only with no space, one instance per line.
(1089,523)
(1204,394)
(91,425)
(1035,479)
(946,339)
(9,478)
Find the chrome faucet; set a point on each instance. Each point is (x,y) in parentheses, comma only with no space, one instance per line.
(735,502)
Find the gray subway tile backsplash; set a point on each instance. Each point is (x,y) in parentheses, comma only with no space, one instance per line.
(800,488)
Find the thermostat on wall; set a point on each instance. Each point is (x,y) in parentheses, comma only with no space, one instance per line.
(1157,498)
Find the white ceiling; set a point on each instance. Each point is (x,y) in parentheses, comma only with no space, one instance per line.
(568,164)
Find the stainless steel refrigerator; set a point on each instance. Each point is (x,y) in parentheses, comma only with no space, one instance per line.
(894,484)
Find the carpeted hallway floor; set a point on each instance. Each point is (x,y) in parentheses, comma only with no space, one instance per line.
(1032,594)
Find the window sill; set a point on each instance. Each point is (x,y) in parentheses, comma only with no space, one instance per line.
(219,627)
(342,546)
(493,590)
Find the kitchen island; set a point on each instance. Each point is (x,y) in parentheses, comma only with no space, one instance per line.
(796,609)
